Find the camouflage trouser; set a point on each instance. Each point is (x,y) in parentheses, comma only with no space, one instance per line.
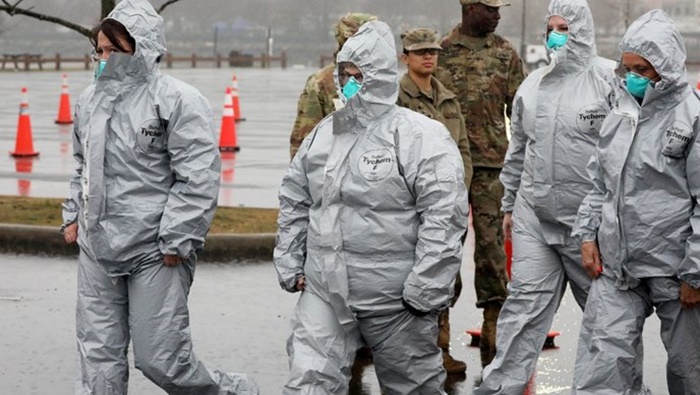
(490,278)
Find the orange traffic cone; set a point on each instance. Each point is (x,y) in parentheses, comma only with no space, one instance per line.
(24,165)
(24,145)
(227,138)
(64,112)
(236,101)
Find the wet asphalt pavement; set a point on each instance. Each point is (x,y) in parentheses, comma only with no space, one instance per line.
(239,319)
(250,178)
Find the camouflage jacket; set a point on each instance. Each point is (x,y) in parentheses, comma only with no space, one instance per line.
(444,108)
(315,103)
(485,82)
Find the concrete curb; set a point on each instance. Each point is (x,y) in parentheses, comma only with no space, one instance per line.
(46,240)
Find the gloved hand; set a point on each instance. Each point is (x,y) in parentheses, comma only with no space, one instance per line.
(414,310)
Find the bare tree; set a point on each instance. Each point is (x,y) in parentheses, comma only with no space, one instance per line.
(107,7)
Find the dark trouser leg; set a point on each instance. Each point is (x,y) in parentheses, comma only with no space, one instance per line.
(490,279)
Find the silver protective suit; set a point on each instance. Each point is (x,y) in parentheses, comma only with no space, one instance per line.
(557,114)
(146,184)
(644,214)
(372,210)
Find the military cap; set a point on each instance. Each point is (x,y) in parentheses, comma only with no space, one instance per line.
(349,24)
(490,3)
(420,39)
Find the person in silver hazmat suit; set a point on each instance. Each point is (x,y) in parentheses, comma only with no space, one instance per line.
(639,227)
(372,211)
(142,200)
(557,114)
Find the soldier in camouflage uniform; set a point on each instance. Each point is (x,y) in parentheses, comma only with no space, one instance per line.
(484,70)
(423,93)
(320,97)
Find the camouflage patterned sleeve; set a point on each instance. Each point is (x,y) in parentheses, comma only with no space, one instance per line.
(403,100)
(516,75)
(463,145)
(309,114)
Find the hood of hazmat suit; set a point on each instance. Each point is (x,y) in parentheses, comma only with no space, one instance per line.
(373,206)
(147,175)
(646,169)
(557,114)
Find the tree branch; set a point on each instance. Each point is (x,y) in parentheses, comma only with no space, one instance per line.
(162,7)
(13,10)
(107,7)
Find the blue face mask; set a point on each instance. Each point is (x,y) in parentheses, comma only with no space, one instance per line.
(636,84)
(351,88)
(99,68)
(556,40)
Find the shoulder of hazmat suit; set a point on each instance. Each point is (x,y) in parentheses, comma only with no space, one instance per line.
(445,109)
(485,82)
(376,192)
(646,169)
(147,178)
(557,114)
(316,101)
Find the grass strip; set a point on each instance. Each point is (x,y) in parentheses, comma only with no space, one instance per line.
(47,212)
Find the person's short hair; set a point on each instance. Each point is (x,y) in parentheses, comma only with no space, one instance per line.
(113,30)
(344,65)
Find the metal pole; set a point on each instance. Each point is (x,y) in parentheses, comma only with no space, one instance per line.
(269,41)
(216,34)
(523,23)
